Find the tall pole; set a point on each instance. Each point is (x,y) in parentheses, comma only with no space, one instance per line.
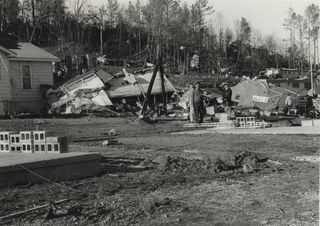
(101,40)
(101,29)
(310,60)
(163,90)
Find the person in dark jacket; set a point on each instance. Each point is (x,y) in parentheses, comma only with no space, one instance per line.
(226,96)
(198,104)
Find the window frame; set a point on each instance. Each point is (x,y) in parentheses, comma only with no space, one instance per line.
(21,77)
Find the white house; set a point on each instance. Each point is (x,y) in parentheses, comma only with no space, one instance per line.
(22,71)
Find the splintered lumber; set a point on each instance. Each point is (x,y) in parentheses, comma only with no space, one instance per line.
(33,209)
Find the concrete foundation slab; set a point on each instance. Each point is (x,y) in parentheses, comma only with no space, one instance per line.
(17,168)
(311,130)
(314,122)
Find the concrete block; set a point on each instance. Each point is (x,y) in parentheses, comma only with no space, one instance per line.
(39,136)
(27,147)
(4,137)
(40,147)
(241,121)
(26,136)
(57,144)
(4,147)
(54,148)
(15,142)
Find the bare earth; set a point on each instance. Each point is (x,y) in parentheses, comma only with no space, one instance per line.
(133,190)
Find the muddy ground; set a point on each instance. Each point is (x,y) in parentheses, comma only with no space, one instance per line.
(155,178)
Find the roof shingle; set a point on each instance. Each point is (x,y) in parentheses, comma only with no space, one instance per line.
(28,51)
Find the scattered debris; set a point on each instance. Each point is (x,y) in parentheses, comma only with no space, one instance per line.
(274,162)
(246,162)
(110,142)
(33,209)
(191,151)
(305,158)
(113,132)
(81,93)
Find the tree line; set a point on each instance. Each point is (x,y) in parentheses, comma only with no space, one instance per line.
(304,36)
(182,30)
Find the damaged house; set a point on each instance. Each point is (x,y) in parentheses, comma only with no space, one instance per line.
(261,94)
(96,90)
(133,86)
(24,67)
(83,92)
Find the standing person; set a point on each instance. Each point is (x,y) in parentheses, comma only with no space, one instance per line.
(226,96)
(288,103)
(191,105)
(198,104)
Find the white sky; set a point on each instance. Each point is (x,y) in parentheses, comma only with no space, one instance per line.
(264,15)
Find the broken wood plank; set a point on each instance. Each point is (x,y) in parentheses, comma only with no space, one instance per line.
(33,209)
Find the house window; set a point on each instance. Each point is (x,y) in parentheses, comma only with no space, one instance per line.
(26,76)
(295,84)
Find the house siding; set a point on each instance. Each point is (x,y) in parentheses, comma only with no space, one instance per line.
(29,100)
(5,94)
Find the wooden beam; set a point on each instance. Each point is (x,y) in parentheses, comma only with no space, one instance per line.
(148,96)
(163,91)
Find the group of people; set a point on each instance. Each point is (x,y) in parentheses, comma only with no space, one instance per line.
(197,106)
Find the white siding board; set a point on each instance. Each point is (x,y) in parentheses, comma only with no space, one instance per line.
(5,94)
(41,73)
(29,100)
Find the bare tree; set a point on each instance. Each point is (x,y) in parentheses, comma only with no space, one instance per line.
(290,24)
(79,9)
(313,15)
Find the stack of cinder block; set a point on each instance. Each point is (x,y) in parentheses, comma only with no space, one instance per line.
(251,121)
(15,144)
(57,144)
(4,141)
(39,139)
(32,142)
(26,141)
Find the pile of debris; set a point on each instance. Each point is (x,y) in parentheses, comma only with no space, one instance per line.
(242,162)
(81,93)
(99,91)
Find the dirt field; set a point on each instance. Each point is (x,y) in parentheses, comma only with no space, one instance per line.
(155,178)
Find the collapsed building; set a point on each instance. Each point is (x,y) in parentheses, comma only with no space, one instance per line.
(260,94)
(96,90)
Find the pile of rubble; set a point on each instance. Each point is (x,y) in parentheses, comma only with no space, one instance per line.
(99,91)
(243,162)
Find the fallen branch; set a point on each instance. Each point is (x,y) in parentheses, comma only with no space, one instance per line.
(32,209)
